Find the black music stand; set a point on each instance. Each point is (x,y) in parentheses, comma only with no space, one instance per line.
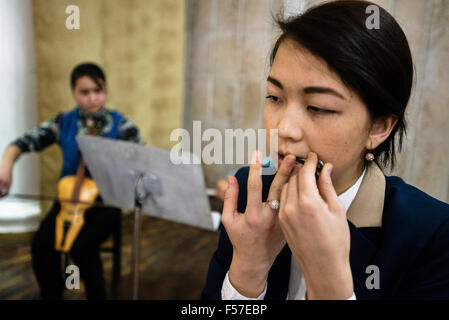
(144,179)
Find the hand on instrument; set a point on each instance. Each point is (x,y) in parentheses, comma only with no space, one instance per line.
(256,235)
(314,223)
(5,179)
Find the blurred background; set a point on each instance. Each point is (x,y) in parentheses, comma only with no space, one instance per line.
(168,63)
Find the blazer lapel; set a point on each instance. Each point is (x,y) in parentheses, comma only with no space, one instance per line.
(361,254)
(366,210)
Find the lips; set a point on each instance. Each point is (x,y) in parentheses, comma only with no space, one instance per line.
(301,160)
(282,155)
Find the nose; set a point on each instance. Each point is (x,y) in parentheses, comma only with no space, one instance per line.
(92,97)
(291,123)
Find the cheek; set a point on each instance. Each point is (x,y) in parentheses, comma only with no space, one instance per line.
(340,143)
(80,99)
(269,121)
(101,97)
(270,117)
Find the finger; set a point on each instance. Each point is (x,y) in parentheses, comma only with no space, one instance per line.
(287,195)
(230,199)
(283,200)
(220,189)
(2,188)
(292,186)
(222,185)
(306,179)
(283,197)
(281,177)
(327,189)
(254,187)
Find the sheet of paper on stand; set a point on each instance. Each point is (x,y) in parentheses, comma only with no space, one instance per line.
(175,192)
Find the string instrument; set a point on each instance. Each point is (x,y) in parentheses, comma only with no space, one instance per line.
(81,192)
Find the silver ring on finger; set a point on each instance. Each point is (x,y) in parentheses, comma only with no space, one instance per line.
(274,204)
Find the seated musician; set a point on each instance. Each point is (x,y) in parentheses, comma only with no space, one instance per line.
(336,92)
(88,84)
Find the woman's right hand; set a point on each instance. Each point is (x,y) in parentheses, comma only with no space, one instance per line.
(256,236)
(5,179)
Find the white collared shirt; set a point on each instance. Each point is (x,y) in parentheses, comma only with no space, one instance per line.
(296,285)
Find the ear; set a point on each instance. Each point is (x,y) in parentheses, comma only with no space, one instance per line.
(380,131)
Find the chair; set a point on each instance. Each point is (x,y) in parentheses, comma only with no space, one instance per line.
(112,245)
(116,251)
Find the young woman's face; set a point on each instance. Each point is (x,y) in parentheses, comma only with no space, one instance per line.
(89,95)
(314,111)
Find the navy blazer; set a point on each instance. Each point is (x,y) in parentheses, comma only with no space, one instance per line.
(411,248)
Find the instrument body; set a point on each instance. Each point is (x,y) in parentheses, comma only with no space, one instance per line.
(81,191)
(70,218)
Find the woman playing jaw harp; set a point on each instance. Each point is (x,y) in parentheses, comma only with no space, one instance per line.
(351,233)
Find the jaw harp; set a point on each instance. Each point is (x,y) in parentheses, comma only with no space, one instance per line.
(319,166)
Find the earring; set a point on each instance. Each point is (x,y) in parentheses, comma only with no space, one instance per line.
(369,156)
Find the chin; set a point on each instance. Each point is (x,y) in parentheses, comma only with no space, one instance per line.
(92,110)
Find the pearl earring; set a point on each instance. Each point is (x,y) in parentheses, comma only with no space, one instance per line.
(369,156)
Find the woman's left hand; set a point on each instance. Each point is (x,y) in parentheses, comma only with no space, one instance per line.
(315,226)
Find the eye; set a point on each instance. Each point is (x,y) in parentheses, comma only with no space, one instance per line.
(273,98)
(319,110)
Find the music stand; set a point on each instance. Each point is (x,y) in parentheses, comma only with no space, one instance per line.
(144,179)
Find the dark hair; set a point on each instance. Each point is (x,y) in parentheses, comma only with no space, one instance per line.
(90,70)
(375,63)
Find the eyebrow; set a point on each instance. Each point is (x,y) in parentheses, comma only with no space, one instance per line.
(91,89)
(309,90)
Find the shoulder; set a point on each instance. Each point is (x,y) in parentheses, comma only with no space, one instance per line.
(70,112)
(416,229)
(412,201)
(65,117)
(414,214)
(124,123)
(114,113)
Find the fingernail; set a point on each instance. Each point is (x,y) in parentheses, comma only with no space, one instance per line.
(258,157)
(329,169)
(254,157)
(287,161)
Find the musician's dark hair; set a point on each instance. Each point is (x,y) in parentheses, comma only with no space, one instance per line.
(375,63)
(90,70)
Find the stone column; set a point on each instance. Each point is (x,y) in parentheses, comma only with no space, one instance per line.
(18,111)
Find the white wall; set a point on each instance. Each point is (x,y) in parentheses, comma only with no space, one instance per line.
(18,111)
